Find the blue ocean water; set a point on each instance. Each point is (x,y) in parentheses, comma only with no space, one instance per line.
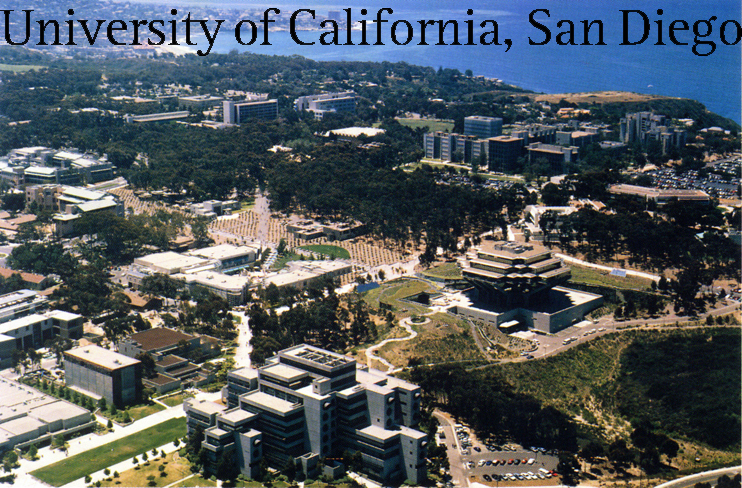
(671,70)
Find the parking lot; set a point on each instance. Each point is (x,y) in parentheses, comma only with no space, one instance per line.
(506,464)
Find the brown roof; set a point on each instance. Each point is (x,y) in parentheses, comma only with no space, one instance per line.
(160,379)
(137,300)
(159,338)
(189,368)
(27,277)
(169,360)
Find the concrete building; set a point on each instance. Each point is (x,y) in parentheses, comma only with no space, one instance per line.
(555,156)
(520,283)
(20,303)
(32,331)
(234,289)
(642,127)
(323,103)
(159,117)
(230,258)
(658,195)
(200,102)
(299,274)
(239,112)
(160,342)
(503,152)
(99,372)
(531,133)
(31,281)
(482,127)
(306,403)
(28,416)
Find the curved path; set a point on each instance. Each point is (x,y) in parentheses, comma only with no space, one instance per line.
(705,477)
(370,352)
(629,272)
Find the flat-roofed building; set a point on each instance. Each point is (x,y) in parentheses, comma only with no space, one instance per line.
(159,342)
(20,303)
(239,112)
(28,416)
(555,156)
(659,195)
(234,289)
(231,258)
(482,127)
(503,152)
(299,274)
(170,263)
(307,403)
(104,373)
(338,102)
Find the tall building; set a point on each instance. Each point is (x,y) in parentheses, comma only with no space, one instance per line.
(503,152)
(482,127)
(239,112)
(100,372)
(642,127)
(306,403)
(518,285)
(327,103)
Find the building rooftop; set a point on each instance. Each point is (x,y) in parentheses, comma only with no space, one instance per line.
(212,278)
(62,315)
(236,415)
(159,338)
(170,360)
(317,356)
(380,433)
(82,193)
(52,412)
(21,322)
(269,402)
(222,251)
(171,262)
(96,205)
(205,406)
(103,358)
(22,425)
(284,372)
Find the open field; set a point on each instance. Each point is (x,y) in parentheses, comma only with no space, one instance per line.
(79,466)
(596,97)
(20,68)
(591,276)
(137,476)
(334,252)
(431,124)
(392,292)
(445,271)
(443,339)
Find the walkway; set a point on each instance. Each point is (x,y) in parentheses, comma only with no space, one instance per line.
(629,272)
(370,352)
(705,477)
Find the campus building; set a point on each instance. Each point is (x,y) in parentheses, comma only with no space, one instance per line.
(300,274)
(519,285)
(482,127)
(34,330)
(642,127)
(99,372)
(306,403)
(319,105)
(255,108)
(28,416)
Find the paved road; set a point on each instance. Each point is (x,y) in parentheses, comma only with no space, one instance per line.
(705,477)
(243,349)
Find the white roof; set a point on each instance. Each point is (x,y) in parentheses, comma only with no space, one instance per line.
(104,358)
(82,193)
(223,251)
(357,131)
(96,205)
(217,280)
(21,322)
(41,170)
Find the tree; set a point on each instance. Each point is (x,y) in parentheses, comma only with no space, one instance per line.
(102,403)
(568,468)
(148,364)
(33,451)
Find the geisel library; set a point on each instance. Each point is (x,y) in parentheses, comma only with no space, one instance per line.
(516,286)
(305,404)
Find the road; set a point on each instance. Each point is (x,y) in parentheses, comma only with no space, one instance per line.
(705,477)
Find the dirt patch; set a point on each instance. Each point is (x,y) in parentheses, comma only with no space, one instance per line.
(597,97)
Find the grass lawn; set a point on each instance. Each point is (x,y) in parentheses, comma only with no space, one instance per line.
(432,125)
(176,399)
(20,68)
(395,290)
(443,339)
(335,252)
(175,470)
(79,466)
(445,271)
(591,276)
(281,261)
(136,413)
(197,480)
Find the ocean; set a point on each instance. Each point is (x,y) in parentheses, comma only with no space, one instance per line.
(656,66)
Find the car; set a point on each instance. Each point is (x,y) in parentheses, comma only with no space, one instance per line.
(481,463)
(510,461)
(520,477)
(530,356)
(516,461)
(602,329)
(478,449)
(531,461)
(489,462)
(487,477)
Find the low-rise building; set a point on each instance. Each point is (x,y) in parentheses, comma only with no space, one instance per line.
(299,274)
(99,372)
(28,416)
(659,195)
(324,103)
